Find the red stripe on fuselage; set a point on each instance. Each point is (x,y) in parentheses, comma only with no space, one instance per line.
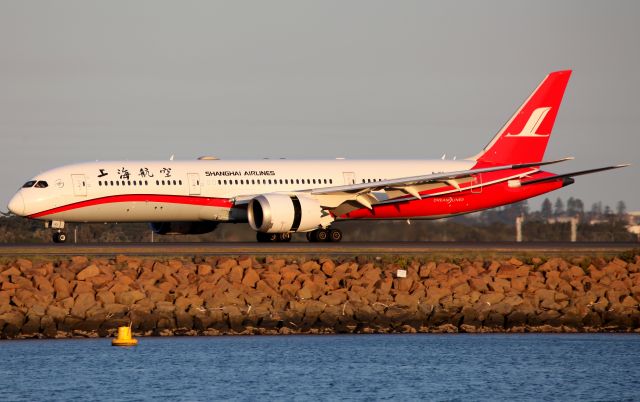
(171,199)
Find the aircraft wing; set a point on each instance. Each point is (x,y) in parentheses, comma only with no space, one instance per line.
(367,194)
(429,178)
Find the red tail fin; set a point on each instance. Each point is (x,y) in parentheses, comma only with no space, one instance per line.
(525,136)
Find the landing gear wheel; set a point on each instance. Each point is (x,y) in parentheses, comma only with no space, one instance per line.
(284,237)
(59,237)
(318,235)
(273,237)
(335,235)
(322,235)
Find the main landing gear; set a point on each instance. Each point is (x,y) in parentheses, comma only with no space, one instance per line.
(315,236)
(273,237)
(324,235)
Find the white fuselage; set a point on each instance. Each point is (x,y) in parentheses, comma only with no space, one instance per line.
(157,191)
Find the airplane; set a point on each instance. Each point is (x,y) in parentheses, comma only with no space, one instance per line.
(280,197)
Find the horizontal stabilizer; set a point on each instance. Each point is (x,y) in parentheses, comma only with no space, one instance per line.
(580,173)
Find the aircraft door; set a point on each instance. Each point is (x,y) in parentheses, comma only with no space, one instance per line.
(349,178)
(194,183)
(79,185)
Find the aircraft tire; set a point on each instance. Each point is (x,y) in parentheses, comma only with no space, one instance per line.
(322,235)
(335,235)
(284,237)
(59,237)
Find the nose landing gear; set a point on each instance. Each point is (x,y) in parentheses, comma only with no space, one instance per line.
(59,237)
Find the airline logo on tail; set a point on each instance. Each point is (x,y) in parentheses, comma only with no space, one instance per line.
(530,129)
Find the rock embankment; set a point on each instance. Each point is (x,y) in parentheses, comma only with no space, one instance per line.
(222,295)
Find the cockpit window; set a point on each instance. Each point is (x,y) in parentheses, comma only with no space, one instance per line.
(29,184)
(41,184)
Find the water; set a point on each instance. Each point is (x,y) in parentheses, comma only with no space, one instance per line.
(345,367)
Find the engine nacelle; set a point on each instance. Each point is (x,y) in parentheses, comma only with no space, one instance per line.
(183,228)
(281,213)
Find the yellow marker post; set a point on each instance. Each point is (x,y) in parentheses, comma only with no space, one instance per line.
(124,337)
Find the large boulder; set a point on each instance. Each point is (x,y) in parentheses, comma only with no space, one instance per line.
(83,302)
(251,277)
(130,297)
(88,272)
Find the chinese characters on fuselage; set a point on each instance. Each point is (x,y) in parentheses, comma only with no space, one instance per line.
(123,173)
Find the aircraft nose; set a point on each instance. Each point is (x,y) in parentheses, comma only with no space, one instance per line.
(16,205)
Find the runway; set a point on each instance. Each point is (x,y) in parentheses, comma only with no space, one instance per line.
(330,249)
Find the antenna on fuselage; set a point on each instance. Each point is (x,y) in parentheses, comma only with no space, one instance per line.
(443,156)
(172,157)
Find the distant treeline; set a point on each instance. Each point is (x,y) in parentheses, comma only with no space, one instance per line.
(550,223)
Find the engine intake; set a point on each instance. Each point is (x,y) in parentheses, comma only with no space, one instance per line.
(281,213)
(183,228)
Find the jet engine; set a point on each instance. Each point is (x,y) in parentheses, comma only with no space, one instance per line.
(282,213)
(183,228)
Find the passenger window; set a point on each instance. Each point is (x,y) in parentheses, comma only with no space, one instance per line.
(157,182)
(163,182)
(180,182)
(269,181)
(174,183)
(330,181)
(146,183)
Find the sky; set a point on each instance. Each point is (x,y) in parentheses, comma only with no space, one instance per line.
(129,80)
